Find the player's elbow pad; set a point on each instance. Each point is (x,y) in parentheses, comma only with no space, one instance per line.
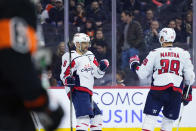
(190,79)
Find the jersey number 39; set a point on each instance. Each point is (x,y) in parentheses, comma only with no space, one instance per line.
(169,66)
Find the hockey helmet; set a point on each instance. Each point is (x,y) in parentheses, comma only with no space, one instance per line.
(168,35)
(81,37)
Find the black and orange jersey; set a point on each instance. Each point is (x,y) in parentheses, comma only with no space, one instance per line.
(20,87)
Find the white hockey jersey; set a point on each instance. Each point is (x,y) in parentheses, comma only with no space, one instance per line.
(169,66)
(84,68)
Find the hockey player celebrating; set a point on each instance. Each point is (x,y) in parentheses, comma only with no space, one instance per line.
(81,72)
(169,66)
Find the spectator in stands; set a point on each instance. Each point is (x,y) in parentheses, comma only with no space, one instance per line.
(163,8)
(102,51)
(120,76)
(44,15)
(180,32)
(72,6)
(187,5)
(188,23)
(189,27)
(39,10)
(133,6)
(96,14)
(89,29)
(52,80)
(79,17)
(98,37)
(131,40)
(172,24)
(103,4)
(151,37)
(57,62)
(56,14)
(146,21)
(50,5)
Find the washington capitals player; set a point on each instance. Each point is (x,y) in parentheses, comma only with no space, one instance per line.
(84,67)
(169,66)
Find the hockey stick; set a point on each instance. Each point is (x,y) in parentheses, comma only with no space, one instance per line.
(35,120)
(71,110)
(182,109)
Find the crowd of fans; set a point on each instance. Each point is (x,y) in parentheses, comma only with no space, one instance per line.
(138,24)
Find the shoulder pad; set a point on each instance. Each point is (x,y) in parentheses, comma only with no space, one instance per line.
(89,53)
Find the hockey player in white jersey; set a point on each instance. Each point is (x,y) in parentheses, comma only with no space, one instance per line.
(170,67)
(84,67)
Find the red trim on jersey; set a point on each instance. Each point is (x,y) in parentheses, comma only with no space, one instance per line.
(106,62)
(145,130)
(79,88)
(95,62)
(83,89)
(77,126)
(73,63)
(137,68)
(177,89)
(67,72)
(166,87)
(189,98)
(68,94)
(92,126)
(84,124)
(65,81)
(145,61)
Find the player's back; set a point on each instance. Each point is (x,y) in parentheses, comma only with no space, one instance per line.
(169,65)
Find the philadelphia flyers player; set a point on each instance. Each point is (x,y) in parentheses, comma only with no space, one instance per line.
(20,88)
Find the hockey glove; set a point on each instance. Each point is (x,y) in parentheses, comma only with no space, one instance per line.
(103,64)
(134,61)
(185,100)
(50,119)
(70,81)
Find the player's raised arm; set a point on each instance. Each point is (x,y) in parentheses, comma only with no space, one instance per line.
(100,68)
(146,67)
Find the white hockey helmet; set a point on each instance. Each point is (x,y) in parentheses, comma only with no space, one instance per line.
(81,37)
(168,35)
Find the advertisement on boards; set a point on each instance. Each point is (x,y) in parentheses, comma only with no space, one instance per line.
(122,108)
